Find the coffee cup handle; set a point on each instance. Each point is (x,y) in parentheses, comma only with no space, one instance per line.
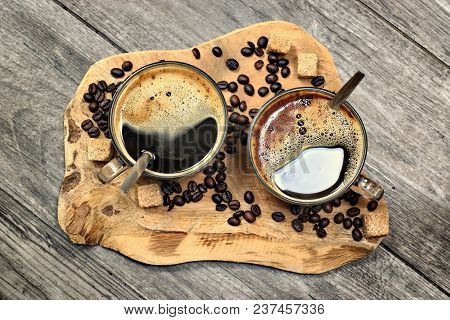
(111,170)
(372,189)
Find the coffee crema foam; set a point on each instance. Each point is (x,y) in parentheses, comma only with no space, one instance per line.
(278,140)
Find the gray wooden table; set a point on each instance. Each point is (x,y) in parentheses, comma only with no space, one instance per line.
(402,46)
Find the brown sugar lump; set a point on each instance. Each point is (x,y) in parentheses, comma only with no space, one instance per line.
(307,65)
(279,44)
(99,149)
(149,195)
(376,224)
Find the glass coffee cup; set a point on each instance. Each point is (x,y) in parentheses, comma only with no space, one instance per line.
(305,153)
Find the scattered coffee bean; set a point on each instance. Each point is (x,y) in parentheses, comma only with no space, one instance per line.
(249,217)
(166,200)
(102,85)
(88,97)
(93,106)
(221,206)
(303,217)
(171,205)
(105,105)
(117,73)
(357,222)
(234,100)
(192,186)
(210,183)
(197,196)
(282,62)
(296,209)
(338,218)
(111,87)
(302,131)
(246,51)
(321,233)
(202,188)
(249,89)
(234,204)
(97,116)
(347,222)
(166,188)
(285,72)
(372,205)
(216,198)
(234,222)
(178,200)
(233,117)
(357,234)
(259,52)
(227,196)
(220,155)
(244,138)
(307,210)
(102,125)
(273,58)
(218,165)
(221,187)
(301,123)
(107,134)
(336,203)
(314,218)
(249,197)
(275,87)
(271,78)
(278,216)
(243,79)
(232,64)
(317,81)
(222,85)
(93,132)
(251,45)
(253,112)
(127,65)
(86,124)
(259,64)
(209,171)
(263,91)
(242,120)
(255,208)
(316,208)
(230,140)
(229,109)
(216,51)
(238,214)
(243,106)
(232,86)
(324,222)
(187,196)
(272,68)
(99,96)
(221,177)
(92,89)
(297,225)
(262,42)
(327,207)
(280,91)
(353,212)
(230,149)
(176,187)
(196,53)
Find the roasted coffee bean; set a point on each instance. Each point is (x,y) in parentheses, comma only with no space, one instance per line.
(314,218)
(221,177)
(106,116)
(372,205)
(230,140)
(338,218)
(171,205)
(357,222)
(234,101)
(232,64)
(230,149)
(249,89)
(166,188)
(262,42)
(229,109)
(347,222)
(192,186)
(278,216)
(253,112)
(280,91)
(92,88)
(196,53)
(263,91)
(86,124)
(99,96)
(234,204)
(285,72)
(111,87)
(197,196)
(336,203)
(259,52)
(244,138)
(296,209)
(127,65)
(93,132)
(97,116)
(166,200)
(210,183)
(102,85)
(297,225)
(233,116)
(234,222)
(221,206)
(93,106)
(259,64)
(282,62)
(255,208)
(107,134)
(187,196)
(317,81)
(232,86)
(202,188)
(243,79)
(105,105)
(216,198)
(242,106)
(249,217)
(117,73)
(102,125)
(353,212)
(224,169)
(300,123)
(176,187)
(357,234)
(220,155)
(324,222)
(316,208)
(227,196)
(303,217)
(218,165)
(272,68)
(216,51)
(352,197)
(249,197)
(209,171)
(221,187)
(251,45)
(238,214)
(302,131)
(271,78)
(88,97)
(222,85)
(178,200)
(275,87)
(321,233)
(307,210)
(273,58)
(327,207)
(242,119)
(247,52)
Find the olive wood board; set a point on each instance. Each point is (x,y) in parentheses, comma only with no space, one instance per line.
(93,213)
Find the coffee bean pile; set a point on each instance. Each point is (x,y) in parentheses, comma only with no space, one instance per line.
(98,97)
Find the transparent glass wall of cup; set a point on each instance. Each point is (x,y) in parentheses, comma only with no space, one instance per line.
(124,160)
(369,188)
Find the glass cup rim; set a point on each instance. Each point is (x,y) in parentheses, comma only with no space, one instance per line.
(125,157)
(293,200)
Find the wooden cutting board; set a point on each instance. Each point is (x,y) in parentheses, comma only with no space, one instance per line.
(93,213)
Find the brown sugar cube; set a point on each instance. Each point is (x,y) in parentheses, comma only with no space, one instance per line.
(376,224)
(307,65)
(99,149)
(279,44)
(149,195)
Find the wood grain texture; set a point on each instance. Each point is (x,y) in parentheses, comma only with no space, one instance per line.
(46,50)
